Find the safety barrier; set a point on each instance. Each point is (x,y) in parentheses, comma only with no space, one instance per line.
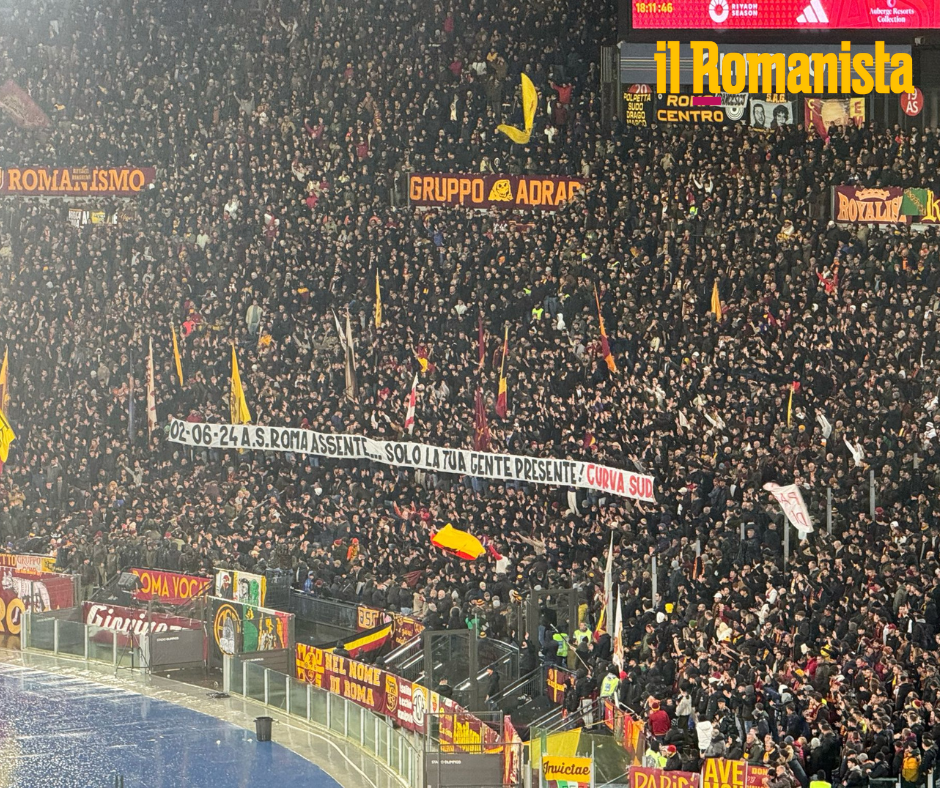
(398,750)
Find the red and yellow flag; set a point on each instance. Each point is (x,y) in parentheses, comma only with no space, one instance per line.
(605,345)
(501,393)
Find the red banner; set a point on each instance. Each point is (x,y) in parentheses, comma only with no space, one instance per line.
(17,103)
(404,628)
(643,777)
(555,679)
(75,181)
(23,587)
(406,703)
(868,206)
(521,192)
(171,588)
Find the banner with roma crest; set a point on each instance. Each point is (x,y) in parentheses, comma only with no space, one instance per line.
(404,702)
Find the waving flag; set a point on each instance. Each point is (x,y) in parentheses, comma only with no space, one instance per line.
(378,301)
(481,430)
(716,302)
(502,405)
(238,407)
(605,345)
(4,384)
(151,395)
(176,356)
(412,399)
(530,102)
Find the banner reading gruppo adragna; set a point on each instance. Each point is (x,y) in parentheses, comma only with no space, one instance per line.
(520,192)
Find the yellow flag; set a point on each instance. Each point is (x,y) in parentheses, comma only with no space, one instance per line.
(237,405)
(716,302)
(176,356)
(4,383)
(790,408)
(7,436)
(378,301)
(530,102)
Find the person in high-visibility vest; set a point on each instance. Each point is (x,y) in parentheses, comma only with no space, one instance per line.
(819,781)
(562,639)
(652,758)
(582,633)
(611,683)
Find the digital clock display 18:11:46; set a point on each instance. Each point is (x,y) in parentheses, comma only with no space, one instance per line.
(654,8)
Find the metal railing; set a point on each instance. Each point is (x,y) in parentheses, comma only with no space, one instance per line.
(45,632)
(323,611)
(397,750)
(401,752)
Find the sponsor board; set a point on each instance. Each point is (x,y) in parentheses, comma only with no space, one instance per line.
(536,470)
(512,192)
(75,181)
(171,588)
(133,620)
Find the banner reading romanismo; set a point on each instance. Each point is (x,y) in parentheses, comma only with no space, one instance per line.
(536,470)
(75,181)
(510,192)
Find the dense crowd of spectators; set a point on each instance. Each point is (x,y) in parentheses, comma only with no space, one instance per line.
(281,132)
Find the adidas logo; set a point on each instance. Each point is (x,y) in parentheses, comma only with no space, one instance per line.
(813,14)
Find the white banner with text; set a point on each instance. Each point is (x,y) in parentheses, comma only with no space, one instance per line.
(536,470)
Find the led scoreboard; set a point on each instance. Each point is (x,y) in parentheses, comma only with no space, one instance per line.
(785,14)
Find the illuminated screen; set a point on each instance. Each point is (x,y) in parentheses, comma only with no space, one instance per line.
(786,14)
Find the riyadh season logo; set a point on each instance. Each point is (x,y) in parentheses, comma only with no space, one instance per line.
(719,10)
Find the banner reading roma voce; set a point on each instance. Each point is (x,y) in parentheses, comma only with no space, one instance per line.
(868,206)
(171,588)
(521,192)
(75,181)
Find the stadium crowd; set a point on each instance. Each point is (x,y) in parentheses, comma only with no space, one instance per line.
(281,133)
